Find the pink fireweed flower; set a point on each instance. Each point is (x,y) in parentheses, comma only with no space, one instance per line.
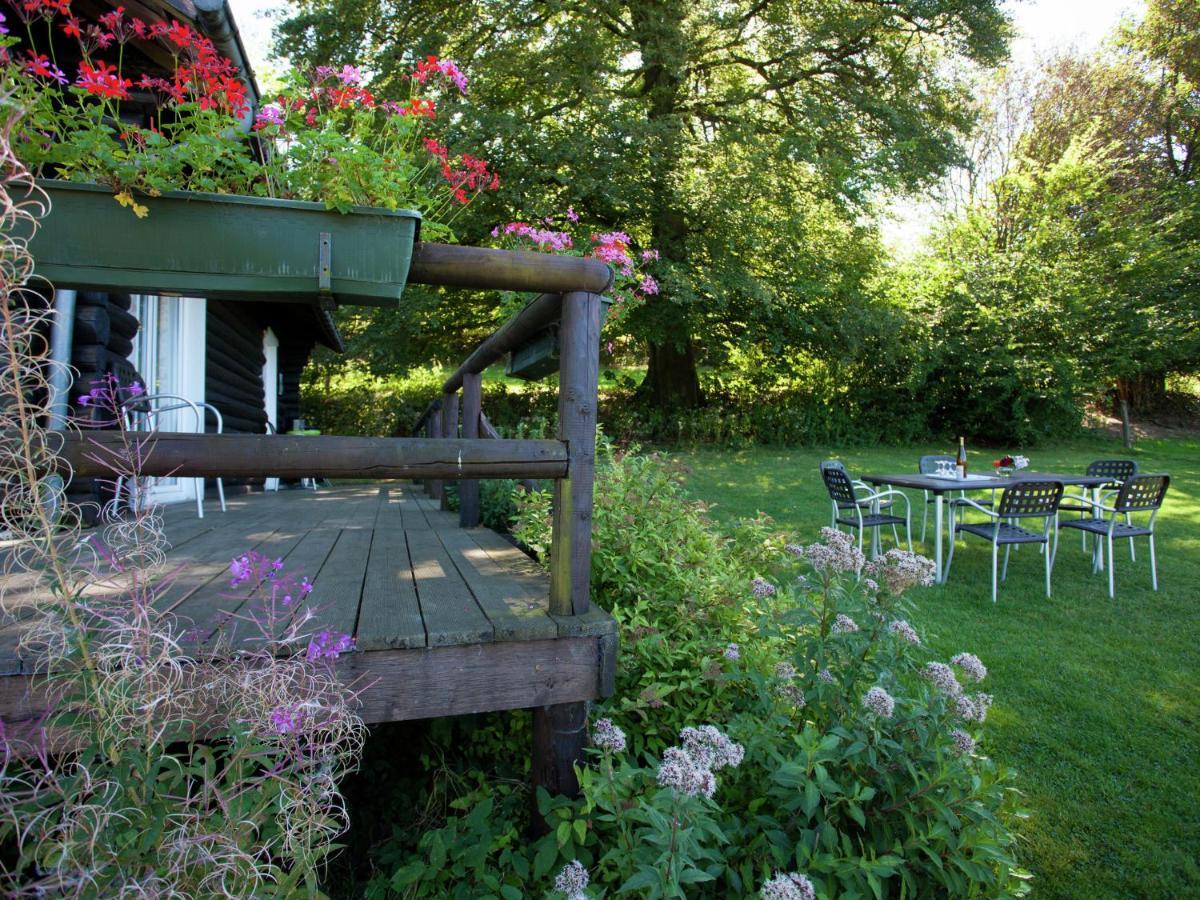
(572,881)
(608,737)
(971,665)
(880,702)
(326,645)
(286,719)
(790,886)
(3,27)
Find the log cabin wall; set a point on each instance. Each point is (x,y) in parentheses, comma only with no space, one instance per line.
(233,367)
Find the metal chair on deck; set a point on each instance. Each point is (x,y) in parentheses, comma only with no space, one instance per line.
(1139,493)
(1020,500)
(144,412)
(843,495)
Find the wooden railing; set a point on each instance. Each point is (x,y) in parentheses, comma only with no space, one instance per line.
(577,314)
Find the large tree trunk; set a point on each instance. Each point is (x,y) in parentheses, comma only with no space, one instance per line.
(672,381)
(671,378)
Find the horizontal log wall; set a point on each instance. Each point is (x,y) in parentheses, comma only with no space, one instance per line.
(256,456)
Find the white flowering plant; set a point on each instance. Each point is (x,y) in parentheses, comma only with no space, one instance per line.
(780,728)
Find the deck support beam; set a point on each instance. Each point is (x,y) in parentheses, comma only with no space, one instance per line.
(472,408)
(559,738)
(449,430)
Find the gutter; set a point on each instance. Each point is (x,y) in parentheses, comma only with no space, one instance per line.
(217,21)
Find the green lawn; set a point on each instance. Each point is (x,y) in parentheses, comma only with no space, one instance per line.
(1097,702)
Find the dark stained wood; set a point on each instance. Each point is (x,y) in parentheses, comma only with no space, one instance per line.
(399,685)
(537,314)
(449,430)
(559,738)
(579,375)
(260,455)
(435,432)
(453,265)
(448,608)
(472,409)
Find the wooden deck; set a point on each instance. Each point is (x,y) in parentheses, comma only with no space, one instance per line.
(446,620)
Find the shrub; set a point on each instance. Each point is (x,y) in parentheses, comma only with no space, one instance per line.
(776,717)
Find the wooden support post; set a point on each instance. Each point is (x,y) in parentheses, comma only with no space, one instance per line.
(559,737)
(579,375)
(472,407)
(435,431)
(449,430)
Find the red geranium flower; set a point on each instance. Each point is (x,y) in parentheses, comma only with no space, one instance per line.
(103,80)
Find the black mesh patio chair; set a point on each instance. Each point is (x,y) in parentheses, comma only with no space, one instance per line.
(1120,470)
(1020,500)
(849,507)
(928,465)
(1139,494)
(859,486)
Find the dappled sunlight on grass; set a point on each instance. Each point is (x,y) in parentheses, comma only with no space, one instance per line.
(1097,700)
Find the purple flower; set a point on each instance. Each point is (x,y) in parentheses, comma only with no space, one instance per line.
(963,742)
(649,285)
(792,886)
(268,115)
(649,255)
(843,624)
(323,72)
(761,588)
(3,27)
(572,216)
(971,665)
(240,568)
(287,719)
(327,645)
(905,631)
(350,75)
(733,652)
(608,737)
(943,678)
(572,881)
(880,702)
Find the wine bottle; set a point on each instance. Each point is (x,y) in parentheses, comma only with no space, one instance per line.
(961,462)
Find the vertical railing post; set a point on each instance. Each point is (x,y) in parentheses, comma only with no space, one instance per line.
(468,491)
(427,428)
(559,731)
(579,375)
(449,419)
(435,431)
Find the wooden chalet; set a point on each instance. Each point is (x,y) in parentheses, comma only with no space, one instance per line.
(449,618)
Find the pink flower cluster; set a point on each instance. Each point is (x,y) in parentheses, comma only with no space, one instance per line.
(327,645)
(608,737)
(287,719)
(447,68)
(880,702)
(843,624)
(835,553)
(542,238)
(906,631)
(572,881)
(971,665)
(258,569)
(688,770)
(790,886)
(900,570)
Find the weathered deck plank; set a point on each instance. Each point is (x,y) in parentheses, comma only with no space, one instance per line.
(516,614)
(390,614)
(449,609)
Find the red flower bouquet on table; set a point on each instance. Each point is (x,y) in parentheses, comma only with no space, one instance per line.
(1006,465)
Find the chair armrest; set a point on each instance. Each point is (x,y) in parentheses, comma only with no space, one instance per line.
(967,501)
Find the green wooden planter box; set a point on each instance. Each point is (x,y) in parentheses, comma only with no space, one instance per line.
(219,245)
(538,357)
